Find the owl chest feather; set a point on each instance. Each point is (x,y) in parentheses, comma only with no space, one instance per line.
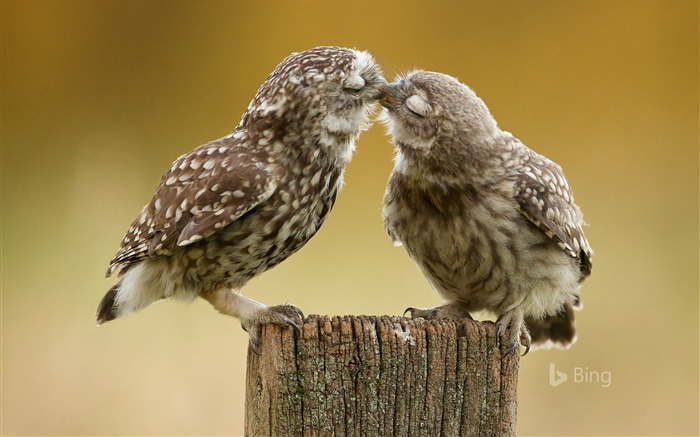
(474,247)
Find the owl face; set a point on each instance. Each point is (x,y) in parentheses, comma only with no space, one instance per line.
(349,90)
(325,92)
(411,115)
(426,111)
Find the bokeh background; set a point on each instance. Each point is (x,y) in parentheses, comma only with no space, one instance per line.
(98,98)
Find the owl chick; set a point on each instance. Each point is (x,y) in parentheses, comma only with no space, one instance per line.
(237,206)
(491,224)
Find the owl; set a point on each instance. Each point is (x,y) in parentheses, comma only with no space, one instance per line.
(237,206)
(490,223)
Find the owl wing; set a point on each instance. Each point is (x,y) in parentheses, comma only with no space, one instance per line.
(545,198)
(202,192)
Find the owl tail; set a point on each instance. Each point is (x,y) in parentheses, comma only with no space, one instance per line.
(557,331)
(106,310)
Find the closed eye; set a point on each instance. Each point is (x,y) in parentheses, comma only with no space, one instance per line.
(354,84)
(418,105)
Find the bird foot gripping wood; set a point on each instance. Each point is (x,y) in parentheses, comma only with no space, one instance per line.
(453,311)
(283,315)
(253,314)
(511,328)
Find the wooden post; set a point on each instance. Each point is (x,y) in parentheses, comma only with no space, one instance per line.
(381,376)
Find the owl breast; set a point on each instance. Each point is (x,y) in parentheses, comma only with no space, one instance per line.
(478,250)
(265,236)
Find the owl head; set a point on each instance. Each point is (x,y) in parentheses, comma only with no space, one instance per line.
(322,96)
(438,125)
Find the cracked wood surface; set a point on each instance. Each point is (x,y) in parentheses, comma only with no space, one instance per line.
(381,376)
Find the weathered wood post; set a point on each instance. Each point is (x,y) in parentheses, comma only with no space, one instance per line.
(381,376)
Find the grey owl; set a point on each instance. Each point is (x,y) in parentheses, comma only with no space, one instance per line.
(491,224)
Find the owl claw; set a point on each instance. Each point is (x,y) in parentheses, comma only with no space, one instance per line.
(290,311)
(510,328)
(281,315)
(453,311)
(427,314)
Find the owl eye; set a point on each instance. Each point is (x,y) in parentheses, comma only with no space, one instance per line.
(354,83)
(418,105)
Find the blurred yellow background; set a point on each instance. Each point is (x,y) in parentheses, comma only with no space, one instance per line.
(98,98)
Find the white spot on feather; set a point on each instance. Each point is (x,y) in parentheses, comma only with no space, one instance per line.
(209,164)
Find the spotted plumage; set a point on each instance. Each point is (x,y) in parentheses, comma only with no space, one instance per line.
(492,224)
(239,205)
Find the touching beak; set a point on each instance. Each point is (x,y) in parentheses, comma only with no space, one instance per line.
(387,96)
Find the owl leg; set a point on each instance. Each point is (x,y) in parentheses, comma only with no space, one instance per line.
(252,314)
(454,311)
(510,326)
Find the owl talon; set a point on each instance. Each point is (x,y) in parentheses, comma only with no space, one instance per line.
(282,315)
(408,310)
(291,323)
(255,340)
(427,314)
(290,311)
(453,311)
(511,329)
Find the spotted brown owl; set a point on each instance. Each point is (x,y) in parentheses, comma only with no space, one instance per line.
(490,223)
(237,206)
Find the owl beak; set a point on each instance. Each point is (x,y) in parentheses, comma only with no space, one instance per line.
(387,96)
